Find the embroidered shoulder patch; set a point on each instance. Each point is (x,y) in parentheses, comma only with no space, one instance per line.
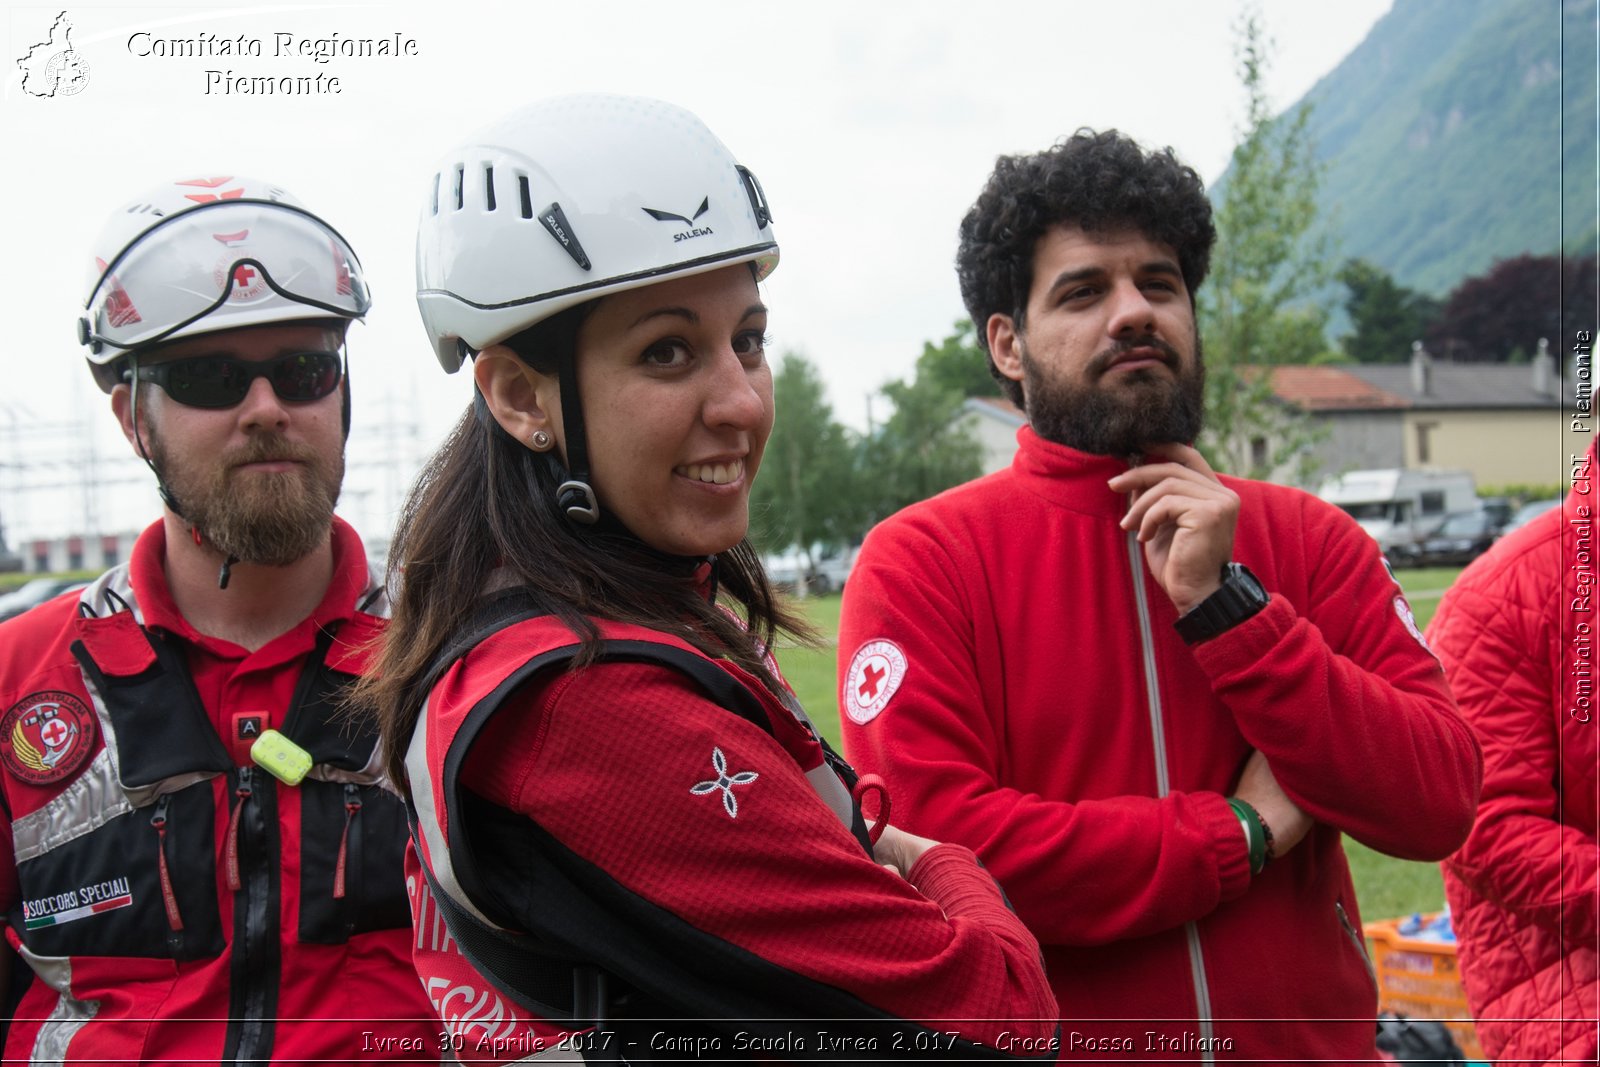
(876,671)
(46,736)
(1403,609)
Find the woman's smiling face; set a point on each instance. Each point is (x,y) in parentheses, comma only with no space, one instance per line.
(677,405)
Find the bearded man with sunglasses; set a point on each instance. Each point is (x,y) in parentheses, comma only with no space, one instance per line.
(201,859)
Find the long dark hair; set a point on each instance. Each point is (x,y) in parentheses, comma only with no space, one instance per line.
(483,512)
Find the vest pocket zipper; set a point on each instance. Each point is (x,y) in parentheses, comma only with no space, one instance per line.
(168,896)
(352,808)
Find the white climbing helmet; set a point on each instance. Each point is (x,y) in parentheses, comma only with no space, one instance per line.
(570,199)
(206,254)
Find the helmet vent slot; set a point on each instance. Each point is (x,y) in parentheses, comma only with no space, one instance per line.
(527,196)
(461,187)
(488,186)
(436,193)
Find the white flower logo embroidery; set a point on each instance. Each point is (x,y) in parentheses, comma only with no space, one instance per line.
(725,782)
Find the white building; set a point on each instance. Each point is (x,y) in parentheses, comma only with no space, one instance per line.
(60,554)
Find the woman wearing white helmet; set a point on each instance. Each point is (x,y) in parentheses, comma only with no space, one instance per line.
(621,812)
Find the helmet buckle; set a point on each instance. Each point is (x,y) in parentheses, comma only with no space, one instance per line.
(577,500)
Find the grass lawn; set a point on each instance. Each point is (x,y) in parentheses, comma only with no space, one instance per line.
(17,579)
(1385,887)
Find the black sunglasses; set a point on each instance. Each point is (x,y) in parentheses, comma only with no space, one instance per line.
(223,381)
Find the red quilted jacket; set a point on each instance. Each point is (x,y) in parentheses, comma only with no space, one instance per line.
(1517,634)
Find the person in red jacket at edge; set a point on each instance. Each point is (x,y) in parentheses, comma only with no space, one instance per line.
(629,840)
(174,900)
(1516,633)
(1150,697)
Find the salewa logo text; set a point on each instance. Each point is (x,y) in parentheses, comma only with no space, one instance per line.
(688,220)
(554,225)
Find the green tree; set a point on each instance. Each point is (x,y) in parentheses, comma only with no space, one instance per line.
(958,363)
(922,448)
(1258,307)
(1490,317)
(804,493)
(1385,315)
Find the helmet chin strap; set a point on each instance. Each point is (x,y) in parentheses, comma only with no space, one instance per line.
(166,494)
(131,376)
(574,496)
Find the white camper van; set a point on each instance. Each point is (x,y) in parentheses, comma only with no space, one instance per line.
(1397,506)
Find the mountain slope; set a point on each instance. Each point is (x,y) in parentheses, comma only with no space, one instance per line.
(1461,132)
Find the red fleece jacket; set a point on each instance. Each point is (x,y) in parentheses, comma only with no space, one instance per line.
(1009,665)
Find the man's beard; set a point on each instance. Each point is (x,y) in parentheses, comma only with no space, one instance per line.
(1146,407)
(273,518)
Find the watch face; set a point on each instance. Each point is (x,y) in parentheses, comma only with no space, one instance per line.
(1239,597)
(1248,584)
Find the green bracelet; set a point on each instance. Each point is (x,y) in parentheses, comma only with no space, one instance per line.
(1255,833)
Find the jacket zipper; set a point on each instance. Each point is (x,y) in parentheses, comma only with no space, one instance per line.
(230,848)
(1197,963)
(255,957)
(1356,939)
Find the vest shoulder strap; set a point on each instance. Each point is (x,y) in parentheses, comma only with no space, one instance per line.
(511,606)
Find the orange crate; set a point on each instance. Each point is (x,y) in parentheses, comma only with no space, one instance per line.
(1419,978)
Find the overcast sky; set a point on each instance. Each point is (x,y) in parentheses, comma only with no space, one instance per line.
(870,125)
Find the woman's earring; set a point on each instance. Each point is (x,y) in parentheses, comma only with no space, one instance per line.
(541,440)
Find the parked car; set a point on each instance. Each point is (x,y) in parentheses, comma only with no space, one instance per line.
(1499,509)
(34,593)
(1460,539)
(784,569)
(1398,506)
(1530,511)
(828,568)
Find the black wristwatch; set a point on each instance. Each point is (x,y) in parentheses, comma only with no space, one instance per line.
(1240,597)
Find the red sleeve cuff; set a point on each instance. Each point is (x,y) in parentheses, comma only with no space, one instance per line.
(951,876)
(1245,646)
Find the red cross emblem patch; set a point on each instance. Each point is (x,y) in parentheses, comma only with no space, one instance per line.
(876,671)
(1403,610)
(46,736)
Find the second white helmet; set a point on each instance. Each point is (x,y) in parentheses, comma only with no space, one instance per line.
(204,254)
(570,199)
